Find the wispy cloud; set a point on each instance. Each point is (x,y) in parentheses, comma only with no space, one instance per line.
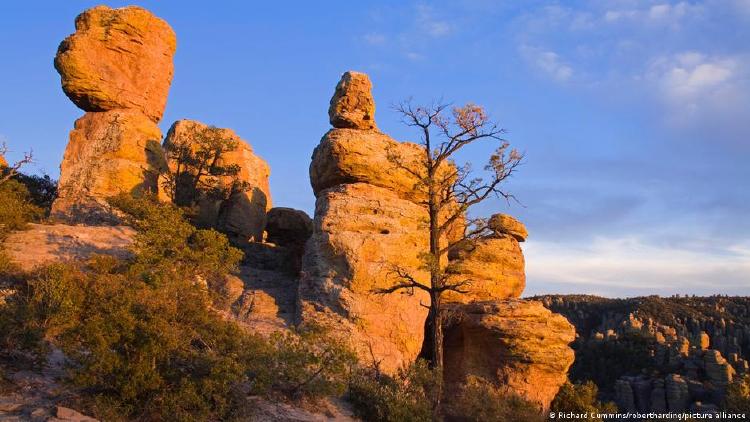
(631,264)
(547,62)
(374,38)
(429,23)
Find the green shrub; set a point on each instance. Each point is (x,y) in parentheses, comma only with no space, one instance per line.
(581,398)
(409,396)
(168,246)
(308,362)
(16,207)
(481,401)
(737,399)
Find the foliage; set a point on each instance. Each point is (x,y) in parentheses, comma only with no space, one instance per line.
(308,362)
(198,168)
(42,189)
(141,337)
(737,399)
(16,207)
(409,396)
(581,398)
(481,401)
(168,246)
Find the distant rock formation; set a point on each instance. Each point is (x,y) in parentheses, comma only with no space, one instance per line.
(690,349)
(519,345)
(117,67)
(3,163)
(243,216)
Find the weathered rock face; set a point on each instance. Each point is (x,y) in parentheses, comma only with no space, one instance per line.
(517,344)
(495,267)
(288,227)
(360,233)
(352,105)
(118,59)
(117,66)
(243,216)
(366,156)
(506,224)
(108,153)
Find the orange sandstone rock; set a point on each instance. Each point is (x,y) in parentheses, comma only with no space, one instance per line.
(516,344)
(352,105)
(108,153)
(506,224)
(361,233)
(494,267)
(243,216)
(118,59)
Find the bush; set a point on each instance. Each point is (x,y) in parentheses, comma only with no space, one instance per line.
(481,401)
(16,207)
(581,398)
(168,246)
(408,397)
(737,399)
(306,363)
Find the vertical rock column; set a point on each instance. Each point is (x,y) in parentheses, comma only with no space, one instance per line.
(117,66)
(365,225)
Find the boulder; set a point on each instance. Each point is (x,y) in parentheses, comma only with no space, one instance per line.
(243,215)
(288,227)
(494,267)
(506,224)
(352,105)
(361,234)
(108,153)
(516,344)
(118,59)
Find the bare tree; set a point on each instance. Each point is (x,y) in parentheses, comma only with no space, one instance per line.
(448,191)
(9,171)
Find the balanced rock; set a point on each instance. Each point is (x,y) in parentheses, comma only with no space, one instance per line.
(288,227)
(243,215)
(516,344)
(118,59)
(506,224)
(362,235)
(493,266)
(352,105)
(108,153)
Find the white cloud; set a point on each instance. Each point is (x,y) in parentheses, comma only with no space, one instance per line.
(375,38)
(610,266)
(692,82)
(548,62)
(662,13)
(430,24)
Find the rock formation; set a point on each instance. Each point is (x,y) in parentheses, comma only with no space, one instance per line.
(518,344)
(3,163)
(352,105)
(118,59)
(370,221)
(117,66)
(242,216)
(288,227)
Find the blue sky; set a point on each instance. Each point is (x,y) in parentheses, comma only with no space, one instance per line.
(634,114)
